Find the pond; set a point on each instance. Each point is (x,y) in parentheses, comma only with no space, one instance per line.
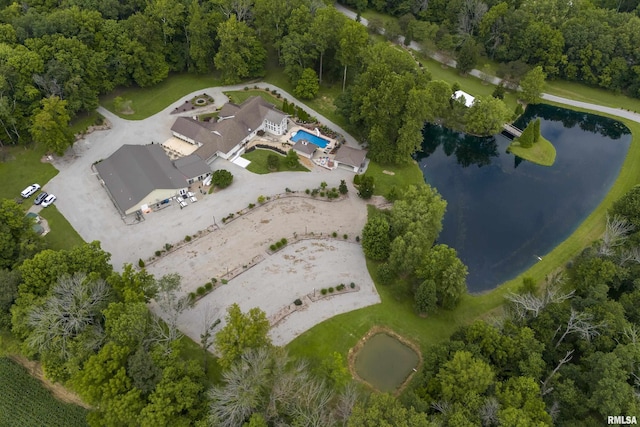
(385,362)
(503,212)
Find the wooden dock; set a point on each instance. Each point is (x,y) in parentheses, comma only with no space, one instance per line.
(512,130)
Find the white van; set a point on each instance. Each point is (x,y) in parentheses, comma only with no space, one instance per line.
(27,192)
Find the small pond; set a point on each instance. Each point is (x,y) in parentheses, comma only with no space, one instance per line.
(385,362)
(504,212)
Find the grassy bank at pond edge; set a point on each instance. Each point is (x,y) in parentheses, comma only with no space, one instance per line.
(396,310)
(541,153)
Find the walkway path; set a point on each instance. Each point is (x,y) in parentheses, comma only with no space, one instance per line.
(497,80)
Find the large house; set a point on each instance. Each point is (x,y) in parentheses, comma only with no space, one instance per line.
(140,177)
(236,126)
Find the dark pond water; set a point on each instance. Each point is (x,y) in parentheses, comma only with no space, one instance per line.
(385,363)
(503,212)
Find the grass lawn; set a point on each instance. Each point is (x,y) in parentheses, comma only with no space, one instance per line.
(148,101)
(22,168)
(258,159)
(239,96)
(403,176)
(342,332)
(584,93)
(62,234)
(542,152)
(83,120)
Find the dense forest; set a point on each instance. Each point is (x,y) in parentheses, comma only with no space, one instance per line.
(565,353)
(589,41)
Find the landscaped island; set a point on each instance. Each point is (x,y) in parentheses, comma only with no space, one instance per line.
(533,147)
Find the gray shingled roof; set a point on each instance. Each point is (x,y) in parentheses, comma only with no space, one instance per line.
(224,135)
(350,156)
(192,166)
(134,171)
(304,147)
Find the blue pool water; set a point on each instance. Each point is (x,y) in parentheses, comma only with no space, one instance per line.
(315,140)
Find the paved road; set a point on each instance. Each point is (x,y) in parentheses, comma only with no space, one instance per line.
(496,80)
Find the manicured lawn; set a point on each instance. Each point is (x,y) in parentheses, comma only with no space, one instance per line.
(82,122)
(403,176)
(468,83)
(193,351)
(542,152)
(258,159)
(147,101)
(22,168)
(342,332)
(584,93)
(62,234)
(238,97)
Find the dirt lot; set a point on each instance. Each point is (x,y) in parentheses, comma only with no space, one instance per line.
(282,277)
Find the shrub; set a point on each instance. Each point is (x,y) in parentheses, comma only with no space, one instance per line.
(314,192)
(214,280)
(273,161)
(346,236)
(283,241)
(140,263)
(224,220)
(187,238)
(357,238)
(222,178)
(261,199)
(278,244)
(208,286)
(192,296)
(334,234)
(331,289)
(224,281)
(273,248)
(297,302)
(252,205)
(352,285)
(322,194)
(246,88)
(340,287)
(307,191)
(323,185)
(356,179)
(168,246)
(288,190)
(343,187)
(200,290)
(158,253)
(323,291)
(366,187)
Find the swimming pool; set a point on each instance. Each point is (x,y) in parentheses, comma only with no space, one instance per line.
(315,140)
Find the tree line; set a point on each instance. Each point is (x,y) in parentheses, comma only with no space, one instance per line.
(591,42)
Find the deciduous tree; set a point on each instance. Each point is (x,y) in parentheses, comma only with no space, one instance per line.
(532,85)
(240,54)
(376,242)
(50,125)
(242,331)
(308,86)
(486,116)
(442,265)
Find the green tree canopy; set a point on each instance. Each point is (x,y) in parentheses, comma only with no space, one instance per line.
(532,85)
(240,55)
(50,125)
(486,116)
(308,86)
(242,331)
(384,410)
(375,237)
(442,266)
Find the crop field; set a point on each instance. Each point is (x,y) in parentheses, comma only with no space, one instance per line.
(25,402)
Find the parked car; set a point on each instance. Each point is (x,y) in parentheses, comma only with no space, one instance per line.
(27,192)
(40,198)
(49,200)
